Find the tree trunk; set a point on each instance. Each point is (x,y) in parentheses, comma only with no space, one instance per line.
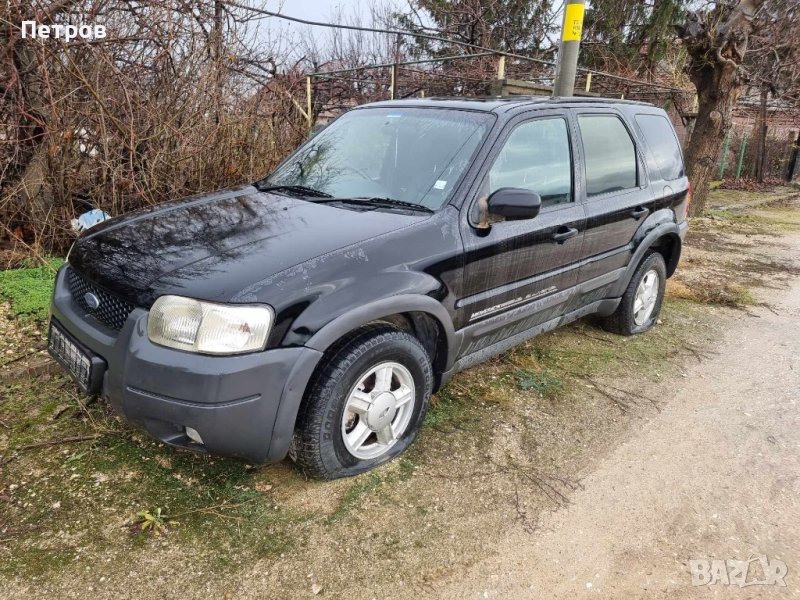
(716,42)
(34,115)
(717,96)
(27,178)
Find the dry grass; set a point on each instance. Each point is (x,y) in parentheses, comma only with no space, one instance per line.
(727,253)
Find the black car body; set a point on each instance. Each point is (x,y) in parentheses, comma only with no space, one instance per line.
(465,289)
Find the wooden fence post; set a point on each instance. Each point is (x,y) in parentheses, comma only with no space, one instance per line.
(309,114)
(496,87)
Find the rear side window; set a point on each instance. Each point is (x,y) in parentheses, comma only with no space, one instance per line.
(609,152)
(664,147)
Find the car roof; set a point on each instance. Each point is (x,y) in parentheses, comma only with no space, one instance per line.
(504,104)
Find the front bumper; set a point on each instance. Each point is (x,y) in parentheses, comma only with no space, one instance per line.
(243,406)
(683,227)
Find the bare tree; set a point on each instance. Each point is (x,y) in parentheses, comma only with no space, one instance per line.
(716,41)
(179,98)
(773,62)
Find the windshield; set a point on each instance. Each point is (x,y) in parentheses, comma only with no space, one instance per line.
(409,154)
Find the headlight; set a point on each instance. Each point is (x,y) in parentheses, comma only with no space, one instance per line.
(208,328)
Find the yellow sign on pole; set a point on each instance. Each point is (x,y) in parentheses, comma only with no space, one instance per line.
(573,23)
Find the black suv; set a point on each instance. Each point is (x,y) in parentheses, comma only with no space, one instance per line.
(314,312)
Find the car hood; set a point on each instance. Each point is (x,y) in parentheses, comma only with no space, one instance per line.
(214,245)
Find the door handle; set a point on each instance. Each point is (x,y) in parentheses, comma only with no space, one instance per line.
(564,233)
(638,213)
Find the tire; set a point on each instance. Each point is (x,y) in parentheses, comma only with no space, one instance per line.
(386,406)
(628,321)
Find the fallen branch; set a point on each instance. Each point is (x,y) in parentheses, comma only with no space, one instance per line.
(522,514)
(595,337)
(770,309)
(22,356)
(211,510)
(66,440)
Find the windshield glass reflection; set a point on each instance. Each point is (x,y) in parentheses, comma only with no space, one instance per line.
(410,154)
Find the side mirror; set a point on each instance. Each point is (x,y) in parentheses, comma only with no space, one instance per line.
(515,203)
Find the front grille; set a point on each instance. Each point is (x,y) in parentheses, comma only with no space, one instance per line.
(111,311)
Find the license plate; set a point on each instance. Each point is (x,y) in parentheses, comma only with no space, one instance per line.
(85,367)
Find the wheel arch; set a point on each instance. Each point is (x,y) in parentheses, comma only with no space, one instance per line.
(422,316)
(669,246)
(665,239)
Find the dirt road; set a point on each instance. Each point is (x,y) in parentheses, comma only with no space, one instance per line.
(716,475)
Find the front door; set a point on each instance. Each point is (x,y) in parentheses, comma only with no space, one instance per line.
(520,273)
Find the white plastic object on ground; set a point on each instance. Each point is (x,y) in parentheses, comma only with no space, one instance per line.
(89,219)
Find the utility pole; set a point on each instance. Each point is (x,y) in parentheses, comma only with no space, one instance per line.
(567,63)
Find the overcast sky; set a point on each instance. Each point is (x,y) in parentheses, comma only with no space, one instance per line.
(329,11)
(316,9)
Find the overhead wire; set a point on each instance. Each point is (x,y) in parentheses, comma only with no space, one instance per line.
(427,36)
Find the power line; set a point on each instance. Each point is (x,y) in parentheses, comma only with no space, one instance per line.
(404,63)
(436,38)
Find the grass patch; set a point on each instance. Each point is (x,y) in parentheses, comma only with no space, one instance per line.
(725,293)
(87,494)
(446,406)
(544,382)
(724,261)
(29,289)
(363,486)
(553,361)
(762,220)
(372,483)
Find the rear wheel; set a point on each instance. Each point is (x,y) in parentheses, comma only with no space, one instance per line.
(365,404)
(641,303)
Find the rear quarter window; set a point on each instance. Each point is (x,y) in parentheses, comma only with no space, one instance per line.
(665,151)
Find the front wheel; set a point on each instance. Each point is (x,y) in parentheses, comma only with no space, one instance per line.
(365,404)
(641,303)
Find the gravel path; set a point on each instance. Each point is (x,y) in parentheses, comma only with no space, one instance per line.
(716,475)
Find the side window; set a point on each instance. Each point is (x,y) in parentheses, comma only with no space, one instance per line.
(664,148)
(536,156)
(609,152)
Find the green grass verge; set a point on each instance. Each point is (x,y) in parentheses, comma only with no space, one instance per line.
(29,289)
(88,493)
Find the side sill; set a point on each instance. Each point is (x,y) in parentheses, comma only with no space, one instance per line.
(602,307)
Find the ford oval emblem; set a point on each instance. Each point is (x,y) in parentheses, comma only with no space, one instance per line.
(91,300)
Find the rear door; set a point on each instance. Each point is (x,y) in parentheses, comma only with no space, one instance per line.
(519,273)
(617,198)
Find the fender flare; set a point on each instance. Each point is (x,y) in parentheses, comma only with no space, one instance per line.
(402,303)
(301,374)
(650,238)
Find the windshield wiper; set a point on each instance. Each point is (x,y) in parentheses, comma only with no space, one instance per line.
(296,190)
(380,202)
